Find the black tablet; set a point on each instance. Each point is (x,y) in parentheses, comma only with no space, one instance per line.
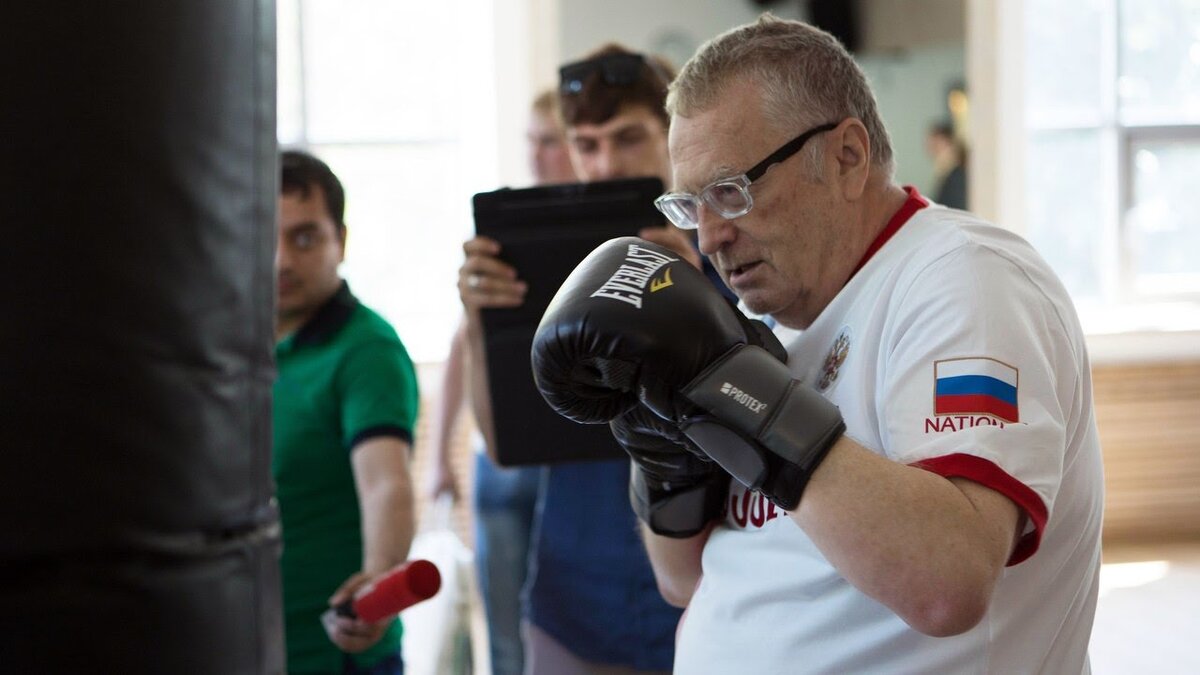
(544,232)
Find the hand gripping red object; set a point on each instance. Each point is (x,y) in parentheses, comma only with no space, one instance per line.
(404,586)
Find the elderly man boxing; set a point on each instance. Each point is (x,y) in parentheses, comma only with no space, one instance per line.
(954,525)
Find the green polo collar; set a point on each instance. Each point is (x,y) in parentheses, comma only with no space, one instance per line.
(327,320)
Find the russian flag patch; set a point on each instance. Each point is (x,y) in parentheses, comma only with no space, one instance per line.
(975,386)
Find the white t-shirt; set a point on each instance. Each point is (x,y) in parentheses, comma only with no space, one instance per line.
(954,348)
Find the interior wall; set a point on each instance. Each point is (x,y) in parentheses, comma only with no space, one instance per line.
(910,87)
(911,52)
(672,28)
(1150,435)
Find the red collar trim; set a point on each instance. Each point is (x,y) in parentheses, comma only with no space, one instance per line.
(914,203)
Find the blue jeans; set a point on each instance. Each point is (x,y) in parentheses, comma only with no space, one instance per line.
(504,503)
(390,665)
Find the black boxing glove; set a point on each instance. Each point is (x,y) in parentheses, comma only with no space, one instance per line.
(629,303)
(674,491)
(635,323)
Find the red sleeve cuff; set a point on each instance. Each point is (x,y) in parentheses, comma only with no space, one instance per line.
(989,475)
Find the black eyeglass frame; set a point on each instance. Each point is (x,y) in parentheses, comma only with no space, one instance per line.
(787,150)
(668,203)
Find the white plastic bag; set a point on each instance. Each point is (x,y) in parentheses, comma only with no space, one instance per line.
(437,632)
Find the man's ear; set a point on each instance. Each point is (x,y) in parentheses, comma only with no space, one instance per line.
(853,153)
(343,233)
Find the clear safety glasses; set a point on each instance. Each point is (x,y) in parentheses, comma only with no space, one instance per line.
(729,197)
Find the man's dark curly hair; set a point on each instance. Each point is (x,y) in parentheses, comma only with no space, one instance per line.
(300,172)
(597,102)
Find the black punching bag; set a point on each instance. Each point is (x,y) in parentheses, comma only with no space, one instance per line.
(138,532)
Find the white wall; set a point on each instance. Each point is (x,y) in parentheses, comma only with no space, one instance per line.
(911,90)
(909,76)
(672,28)
(525,57)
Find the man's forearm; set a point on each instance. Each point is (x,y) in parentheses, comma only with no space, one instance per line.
(477,377)
(450,402)
(928,547)
(385,501)
(388,526)
(676,564)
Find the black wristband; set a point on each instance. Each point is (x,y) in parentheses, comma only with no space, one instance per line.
(677,512)
(766,429)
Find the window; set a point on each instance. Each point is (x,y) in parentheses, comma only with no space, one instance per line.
(398,98)
(1112,156)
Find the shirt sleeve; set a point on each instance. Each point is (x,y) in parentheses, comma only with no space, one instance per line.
(377,387)
(979,380)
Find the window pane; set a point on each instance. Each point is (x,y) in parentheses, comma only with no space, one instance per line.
(1065,207)
(381,70)
(1063,42)
(1163,225)
(406,227)
(289,114)
(1160,62)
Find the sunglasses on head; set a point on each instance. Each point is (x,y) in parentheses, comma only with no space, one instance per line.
(616,70)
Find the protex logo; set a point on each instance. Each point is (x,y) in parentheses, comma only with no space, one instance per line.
(628,283)
(755,405)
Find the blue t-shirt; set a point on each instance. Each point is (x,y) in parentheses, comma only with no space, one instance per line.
(590,584)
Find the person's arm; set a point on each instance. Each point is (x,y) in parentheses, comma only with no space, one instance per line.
(377,387)
(478,383)
(484,281)
(385,499)
(446,415)
(676,564)
(908,529)
(929,548)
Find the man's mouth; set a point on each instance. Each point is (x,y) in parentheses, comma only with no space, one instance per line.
(741,270)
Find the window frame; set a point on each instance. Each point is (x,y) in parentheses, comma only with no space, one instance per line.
(995,70)
(480,143)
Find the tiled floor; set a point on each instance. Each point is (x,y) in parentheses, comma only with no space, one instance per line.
(1148,618)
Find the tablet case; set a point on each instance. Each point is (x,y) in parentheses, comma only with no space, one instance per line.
(544,232)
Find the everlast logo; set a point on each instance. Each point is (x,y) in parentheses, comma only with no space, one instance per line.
(629,282)
(657,285)
(755,405)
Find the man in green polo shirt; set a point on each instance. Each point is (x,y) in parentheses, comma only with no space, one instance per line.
(345,410)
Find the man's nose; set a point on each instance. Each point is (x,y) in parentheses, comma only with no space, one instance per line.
(608,164)
(714,231)
(283,257)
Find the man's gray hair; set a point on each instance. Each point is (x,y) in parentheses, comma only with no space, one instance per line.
(807,78)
